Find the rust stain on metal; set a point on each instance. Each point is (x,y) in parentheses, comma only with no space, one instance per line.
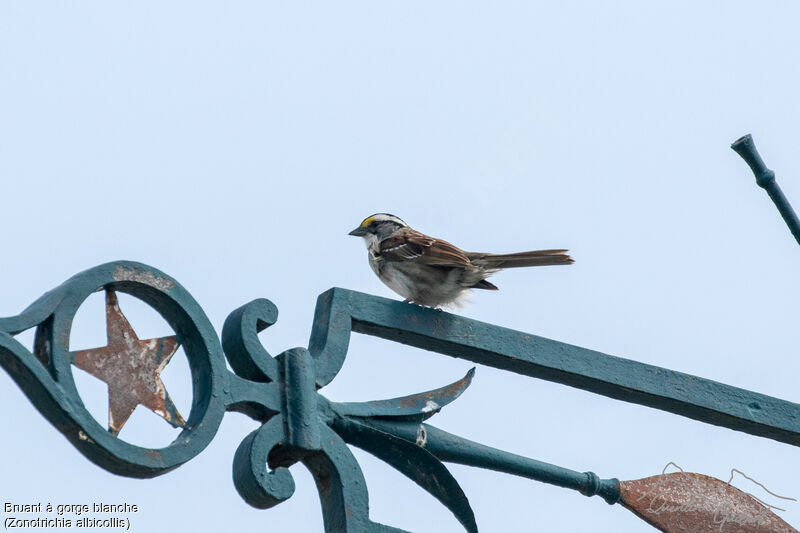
(143,276)
(408,402)
(685,502)
(132,369)
(455,389)
(450,392)
(41,351)
(154,454)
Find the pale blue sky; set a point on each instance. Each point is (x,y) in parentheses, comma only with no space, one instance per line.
(234,146)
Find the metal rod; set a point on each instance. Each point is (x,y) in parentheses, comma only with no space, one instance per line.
(530,355)
(454,449)
(765,178)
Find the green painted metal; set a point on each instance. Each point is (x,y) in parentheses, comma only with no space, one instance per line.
(523,353)
(300,425)
(765,178)
(51,388)
(454,449)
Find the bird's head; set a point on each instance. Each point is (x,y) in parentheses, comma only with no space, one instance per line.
(377,227)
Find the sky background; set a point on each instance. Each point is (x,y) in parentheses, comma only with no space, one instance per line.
(233,147)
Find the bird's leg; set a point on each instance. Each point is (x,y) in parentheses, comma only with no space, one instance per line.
(407,301)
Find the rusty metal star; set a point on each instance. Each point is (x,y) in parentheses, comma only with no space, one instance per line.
(131,368)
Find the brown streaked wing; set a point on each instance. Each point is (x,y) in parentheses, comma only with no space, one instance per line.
(410,245)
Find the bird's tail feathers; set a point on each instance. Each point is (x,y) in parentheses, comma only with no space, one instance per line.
(521,259)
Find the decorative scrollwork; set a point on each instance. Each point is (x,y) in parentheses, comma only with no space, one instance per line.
(281,392)
(300,425)
(296,434)
(46,375)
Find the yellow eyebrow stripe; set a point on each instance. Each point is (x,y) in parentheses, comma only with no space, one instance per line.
(367,221)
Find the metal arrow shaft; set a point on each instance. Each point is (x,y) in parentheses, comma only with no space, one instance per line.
(454,449)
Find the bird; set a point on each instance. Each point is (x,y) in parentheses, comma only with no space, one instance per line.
(431,272)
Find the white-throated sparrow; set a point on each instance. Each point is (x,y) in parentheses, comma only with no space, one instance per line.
(432,272)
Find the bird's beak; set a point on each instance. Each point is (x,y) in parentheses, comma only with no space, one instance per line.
(358,232)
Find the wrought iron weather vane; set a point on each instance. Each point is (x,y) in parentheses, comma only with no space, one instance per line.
(298,424)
